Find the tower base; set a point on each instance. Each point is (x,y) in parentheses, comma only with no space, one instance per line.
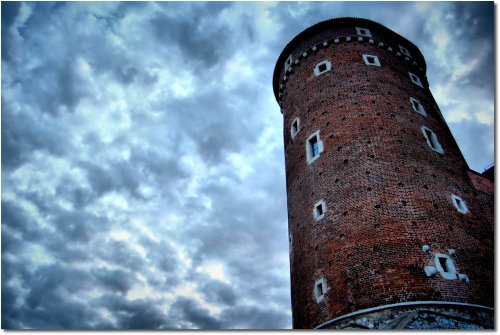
(417,317)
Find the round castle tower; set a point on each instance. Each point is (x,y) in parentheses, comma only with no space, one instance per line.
(388,227)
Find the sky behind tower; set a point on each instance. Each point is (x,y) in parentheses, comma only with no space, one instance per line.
(143,179)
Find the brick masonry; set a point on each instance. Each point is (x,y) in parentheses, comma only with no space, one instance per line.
(387,192)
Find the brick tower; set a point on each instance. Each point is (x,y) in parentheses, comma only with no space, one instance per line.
(388,226)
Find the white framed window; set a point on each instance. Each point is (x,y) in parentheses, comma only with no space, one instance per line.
(294,129)
(415,79)
(445,266)
(417,106)
(288,62)
(320,289)
(314,147)
(404,51)
(432,140)
(371,60)
(459,204)
(322,67)
(319,210)
(363,32)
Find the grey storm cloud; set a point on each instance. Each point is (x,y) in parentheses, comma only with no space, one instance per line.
(143,181)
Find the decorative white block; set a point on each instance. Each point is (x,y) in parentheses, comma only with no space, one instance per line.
(426,248)
(463,277)
(430,270)
(451,252)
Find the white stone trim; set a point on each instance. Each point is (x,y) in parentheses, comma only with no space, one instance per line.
(426,248)
(317,71)
(463,277)
(451,274)
(363,32)
(293,133)
(376,61)
(320,296)
(430,270)
(403,304)
(460,206)
(415,79)
(317,216)
(433,141)
(288,63)
(417,106)
(309,152)
(404,51)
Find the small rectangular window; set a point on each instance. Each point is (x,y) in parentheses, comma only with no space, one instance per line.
(363,32)
(432,140)
(320,290)
(404,51)
(371,60)
(459,204)
(314,147)
(429,134)
(415,79)
(322,67)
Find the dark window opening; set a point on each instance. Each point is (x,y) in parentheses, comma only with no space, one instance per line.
(319,288)
(429,134)
(295,126)
(322,68)
(313,142)
(442,261)
(371,60)
(319,210)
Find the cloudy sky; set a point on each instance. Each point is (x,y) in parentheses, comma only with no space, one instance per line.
(143,179)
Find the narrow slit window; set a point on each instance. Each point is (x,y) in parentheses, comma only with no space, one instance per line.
(314,147)
(319,210)
(442,262)
(415,79)
(322,67)
(371,60)
(417,106)
(320,289)
(363,32)
(459,204)
(432,140)
(295,127)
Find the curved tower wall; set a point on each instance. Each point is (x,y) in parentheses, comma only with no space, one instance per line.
(372,218)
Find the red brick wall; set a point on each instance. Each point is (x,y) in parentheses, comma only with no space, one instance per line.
(386,191)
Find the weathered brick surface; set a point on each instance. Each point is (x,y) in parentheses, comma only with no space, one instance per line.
(386,191)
